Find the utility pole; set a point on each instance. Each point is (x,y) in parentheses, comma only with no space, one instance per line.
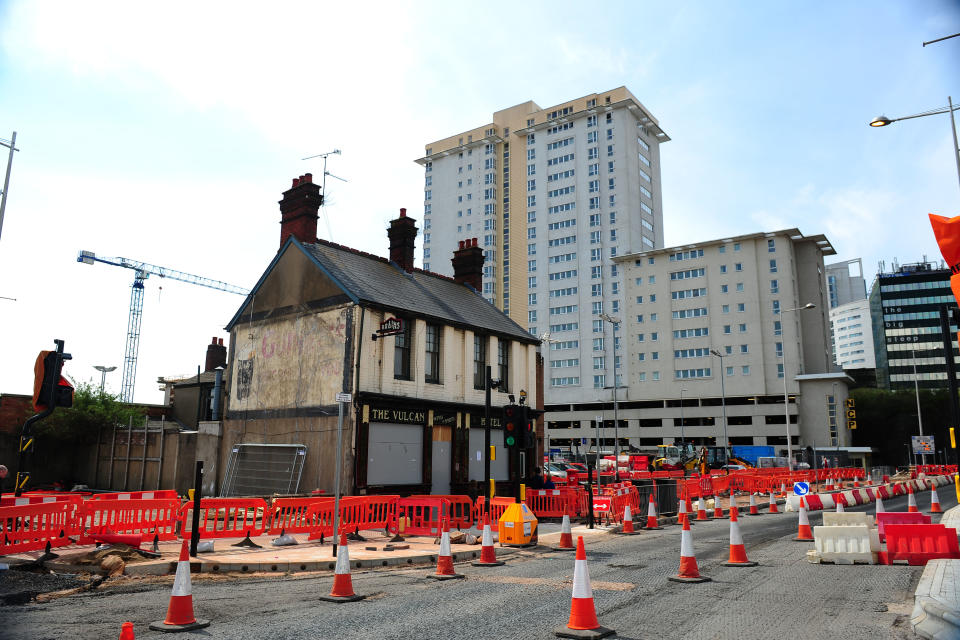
(12,144)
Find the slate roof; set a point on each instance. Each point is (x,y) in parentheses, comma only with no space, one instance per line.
(374,280)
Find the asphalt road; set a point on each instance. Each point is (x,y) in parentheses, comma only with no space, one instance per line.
(783,597)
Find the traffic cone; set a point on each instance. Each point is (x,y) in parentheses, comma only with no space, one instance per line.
(566,537)
(839,506)
(880,508)
(180,610)
(688,560)
(717,509)
(772,505)
(856,484)
(689,507)
(583,621)
(342,582)
(627,521)
(753,507)
(652,522)
(445,558)
(804,534)
(682,513)
(934,500)
(783,488)
(488,555)
(738,554)
(126,631)
(733,504)
(911,500)
(701,509)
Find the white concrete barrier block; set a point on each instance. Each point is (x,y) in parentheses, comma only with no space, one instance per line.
(849,497)
(937,601)
(846,544)
(834,519)
(827,500)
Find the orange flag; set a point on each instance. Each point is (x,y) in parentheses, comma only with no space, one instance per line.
(947,233)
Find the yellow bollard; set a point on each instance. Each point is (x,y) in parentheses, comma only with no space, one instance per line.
(190,494)
(957,479)
(493,487)
(523,493)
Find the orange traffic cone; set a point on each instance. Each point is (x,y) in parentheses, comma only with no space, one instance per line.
(627,521)
(652,522)
(180,610)
(583,621)
(717,509)
(445,559)
(804,534)
(753,507)
(342,582)
(688,560)
(783,488)
(733,504)
(911,500)
(772,508)
(934,500)
(682,513)
(488,555)
(856,484)
(738,554)
(689,507)
(126,631)
(701,509)
(839,506)
(566,537)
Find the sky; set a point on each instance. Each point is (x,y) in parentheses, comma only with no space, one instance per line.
(166,133)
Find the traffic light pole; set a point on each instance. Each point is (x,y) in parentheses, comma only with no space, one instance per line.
(488,490)
(951,368)
(26,437)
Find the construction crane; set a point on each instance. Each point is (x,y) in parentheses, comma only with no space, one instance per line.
(142,271)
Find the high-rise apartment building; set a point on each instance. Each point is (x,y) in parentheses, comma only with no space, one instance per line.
(710,330)
(905,309)
(553,195)
(851,329)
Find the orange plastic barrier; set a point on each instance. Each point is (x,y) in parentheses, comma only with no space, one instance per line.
(898,517)
(289,515)
(12,501)
(165,494)
(461,509)
(29,527)
(370,512)
(226,517)
(549,503)
(917,543)
(422,515)
(146,517)
(499,504)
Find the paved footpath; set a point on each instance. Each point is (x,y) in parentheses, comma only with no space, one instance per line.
(783,597)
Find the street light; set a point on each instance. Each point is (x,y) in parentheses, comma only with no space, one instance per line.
(882,121)
(616,383)
(103,374)
(786,398)
(723,403)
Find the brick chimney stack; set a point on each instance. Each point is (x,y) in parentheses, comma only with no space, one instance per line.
(468,264)
(402,233)
(298,210)
(216,355)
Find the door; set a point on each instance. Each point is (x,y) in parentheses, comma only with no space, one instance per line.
(440,477)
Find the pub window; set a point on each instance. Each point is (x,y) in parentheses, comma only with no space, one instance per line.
(479,361)
(401,352)
(432,365)
(503,362)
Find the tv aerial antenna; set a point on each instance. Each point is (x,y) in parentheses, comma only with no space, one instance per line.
(323,185)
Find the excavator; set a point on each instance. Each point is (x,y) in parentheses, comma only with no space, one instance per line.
(684,455)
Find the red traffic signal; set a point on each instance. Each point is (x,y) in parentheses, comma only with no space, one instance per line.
(50,389)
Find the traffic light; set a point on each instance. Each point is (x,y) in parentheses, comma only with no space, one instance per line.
(511,426)
(50,389)
(529,438)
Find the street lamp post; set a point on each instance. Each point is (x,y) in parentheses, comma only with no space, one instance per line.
(103,374)
(916,390)
(616,383)
(786,398)
(883,121)
(723,404)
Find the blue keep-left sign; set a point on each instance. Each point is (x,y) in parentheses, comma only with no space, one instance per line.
(801,488)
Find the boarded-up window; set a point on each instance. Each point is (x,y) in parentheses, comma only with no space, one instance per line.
(498,467)
(395,454)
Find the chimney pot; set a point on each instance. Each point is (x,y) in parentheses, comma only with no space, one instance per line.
(220,341)
(461,244)
(474,242)
(403,212)
(468,264)
(214,340)
(296,181)
(299,211)
(308,177)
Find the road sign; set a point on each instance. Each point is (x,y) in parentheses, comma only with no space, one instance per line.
(851,424)
(601,505)
(922,444)
(345,397)
(801,488)
(850,403)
